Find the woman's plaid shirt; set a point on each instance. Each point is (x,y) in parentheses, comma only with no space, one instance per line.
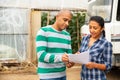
(100,52)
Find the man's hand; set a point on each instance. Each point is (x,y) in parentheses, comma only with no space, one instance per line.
(69,64)
(65,58)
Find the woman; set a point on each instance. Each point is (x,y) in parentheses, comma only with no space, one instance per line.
(100,51)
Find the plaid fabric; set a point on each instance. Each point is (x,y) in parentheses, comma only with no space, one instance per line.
(100,52)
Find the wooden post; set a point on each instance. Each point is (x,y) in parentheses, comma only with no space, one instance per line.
(78,36)
(48,18)
(34,27)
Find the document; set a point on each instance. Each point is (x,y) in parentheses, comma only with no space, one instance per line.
(81,58)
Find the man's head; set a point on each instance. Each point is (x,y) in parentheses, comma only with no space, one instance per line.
(62,19)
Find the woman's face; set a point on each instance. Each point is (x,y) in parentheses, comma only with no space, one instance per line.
(95,29)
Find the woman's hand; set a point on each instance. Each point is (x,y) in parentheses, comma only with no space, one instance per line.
(91,65)
(77,52)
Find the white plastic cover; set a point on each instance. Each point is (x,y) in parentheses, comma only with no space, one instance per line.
(13,33)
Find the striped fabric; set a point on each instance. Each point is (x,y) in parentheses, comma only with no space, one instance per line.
(50,45)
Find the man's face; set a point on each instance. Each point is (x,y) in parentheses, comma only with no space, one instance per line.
(63,21)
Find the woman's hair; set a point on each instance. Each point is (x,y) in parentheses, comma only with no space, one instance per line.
(100,21)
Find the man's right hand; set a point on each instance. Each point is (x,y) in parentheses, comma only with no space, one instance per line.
(65,58)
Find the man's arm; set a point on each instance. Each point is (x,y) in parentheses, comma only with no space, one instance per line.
(41,46)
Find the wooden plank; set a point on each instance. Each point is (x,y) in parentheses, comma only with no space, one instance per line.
(34,26)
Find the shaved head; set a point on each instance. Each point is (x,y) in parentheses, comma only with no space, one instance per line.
(64,11)
(63,19)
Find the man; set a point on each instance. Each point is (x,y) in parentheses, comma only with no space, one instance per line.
(52,44)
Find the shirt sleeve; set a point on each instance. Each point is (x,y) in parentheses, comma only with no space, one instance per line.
(108,56)
(82,44)
(69,50)
(41,47)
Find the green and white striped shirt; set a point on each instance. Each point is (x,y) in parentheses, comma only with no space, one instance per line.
(50,45)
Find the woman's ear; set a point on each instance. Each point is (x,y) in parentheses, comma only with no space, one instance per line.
(102,29)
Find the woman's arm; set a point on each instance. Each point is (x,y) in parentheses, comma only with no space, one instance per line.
(92,65)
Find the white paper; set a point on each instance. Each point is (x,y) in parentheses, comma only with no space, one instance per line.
(82,58)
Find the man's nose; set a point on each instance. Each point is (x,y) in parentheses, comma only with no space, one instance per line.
(67,23)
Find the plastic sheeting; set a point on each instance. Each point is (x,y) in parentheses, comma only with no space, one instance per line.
(46,4)
(13,33)
(15,3)
(14,23)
